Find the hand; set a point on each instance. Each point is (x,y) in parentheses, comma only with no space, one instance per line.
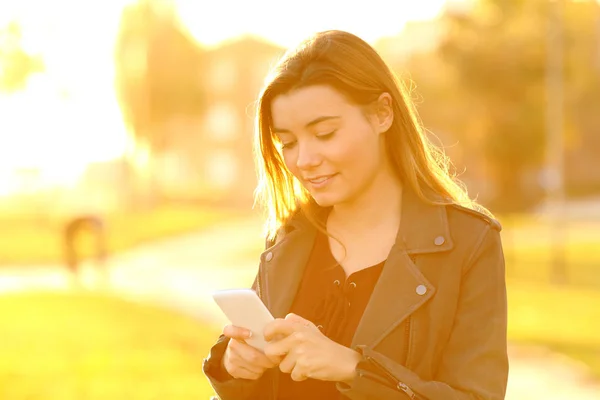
(242,360)
(308,353)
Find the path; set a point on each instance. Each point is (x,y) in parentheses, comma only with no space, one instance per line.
(182,272)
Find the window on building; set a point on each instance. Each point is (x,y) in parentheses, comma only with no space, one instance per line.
(222,169)
(223,75)
(223,122)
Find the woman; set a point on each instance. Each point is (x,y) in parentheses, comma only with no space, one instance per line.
(386,281)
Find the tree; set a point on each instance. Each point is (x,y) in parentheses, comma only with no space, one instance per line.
(497,52)
(158,70)
(16,65)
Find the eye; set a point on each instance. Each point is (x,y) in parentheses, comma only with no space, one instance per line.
(325,136)
(288,145)
(285,141)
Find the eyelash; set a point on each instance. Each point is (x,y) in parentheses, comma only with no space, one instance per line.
(325,136)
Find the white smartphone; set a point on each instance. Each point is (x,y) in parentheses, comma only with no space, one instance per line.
(245,309)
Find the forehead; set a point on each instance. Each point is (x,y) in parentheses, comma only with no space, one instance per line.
(303,105)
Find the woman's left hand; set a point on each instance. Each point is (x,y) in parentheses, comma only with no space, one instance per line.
(307,352)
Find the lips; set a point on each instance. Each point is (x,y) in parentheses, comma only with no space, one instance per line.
(318,179)
(319,182)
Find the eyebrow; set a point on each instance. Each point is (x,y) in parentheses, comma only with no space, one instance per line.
(310,124)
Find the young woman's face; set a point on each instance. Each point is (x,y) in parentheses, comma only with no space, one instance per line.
(330,145)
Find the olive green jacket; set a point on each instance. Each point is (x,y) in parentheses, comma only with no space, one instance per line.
(435,326)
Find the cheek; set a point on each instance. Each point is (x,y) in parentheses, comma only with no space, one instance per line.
(289,159)
(360,152)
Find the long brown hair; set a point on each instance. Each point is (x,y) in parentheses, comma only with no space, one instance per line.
(348,64)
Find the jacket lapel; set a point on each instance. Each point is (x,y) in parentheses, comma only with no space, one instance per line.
(400,291)
(283,264)
(402,288)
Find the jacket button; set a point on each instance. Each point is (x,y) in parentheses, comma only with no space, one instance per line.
(421,290)
(269,256)
(439,241)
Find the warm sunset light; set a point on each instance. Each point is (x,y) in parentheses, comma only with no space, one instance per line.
(287,23)
(68,115)
(458,182)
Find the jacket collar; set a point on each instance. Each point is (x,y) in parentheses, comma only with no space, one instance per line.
(401,288)
(423,227)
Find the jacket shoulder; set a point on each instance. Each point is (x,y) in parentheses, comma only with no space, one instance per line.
(471,213)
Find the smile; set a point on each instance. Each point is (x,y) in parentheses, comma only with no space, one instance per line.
(320,181)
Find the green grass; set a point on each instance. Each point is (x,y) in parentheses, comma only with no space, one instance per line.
(535,264)
(87,347)
(28,240)
(565,317)
(566,320)
(532,245)
(46,337)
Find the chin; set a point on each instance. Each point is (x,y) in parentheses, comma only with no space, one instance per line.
(327,200)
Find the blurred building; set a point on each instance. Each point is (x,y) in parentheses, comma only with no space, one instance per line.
(215,163)
(416,37)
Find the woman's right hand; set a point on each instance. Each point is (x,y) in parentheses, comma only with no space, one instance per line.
(242,360)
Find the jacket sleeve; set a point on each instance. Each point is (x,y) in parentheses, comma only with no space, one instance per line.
(226,386)
(474,364)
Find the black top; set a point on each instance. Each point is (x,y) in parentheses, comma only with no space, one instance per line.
(335,304)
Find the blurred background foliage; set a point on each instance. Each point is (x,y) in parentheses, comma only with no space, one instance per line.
(510,89)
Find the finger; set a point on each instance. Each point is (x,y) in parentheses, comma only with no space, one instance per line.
(288,363)
(295,318)
(235,332)
(281,327)
(275,360)
(298,319)
(241,372)
(249,355)
(298,374)
(238,367)
(254,369)
(281,347)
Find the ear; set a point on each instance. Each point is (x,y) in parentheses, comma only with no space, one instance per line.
(384,113)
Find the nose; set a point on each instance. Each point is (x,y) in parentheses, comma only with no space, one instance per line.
(308,156)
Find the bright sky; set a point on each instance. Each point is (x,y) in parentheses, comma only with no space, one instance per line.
(39,128)
(286,23)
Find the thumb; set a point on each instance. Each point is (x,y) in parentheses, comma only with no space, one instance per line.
(298,319)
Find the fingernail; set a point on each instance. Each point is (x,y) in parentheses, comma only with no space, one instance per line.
(249,334)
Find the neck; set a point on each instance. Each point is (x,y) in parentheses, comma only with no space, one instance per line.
(379,204)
